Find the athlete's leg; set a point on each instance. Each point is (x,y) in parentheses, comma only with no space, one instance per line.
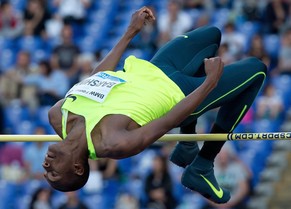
(185,54)
(184,151)
(234,94)
(176,63)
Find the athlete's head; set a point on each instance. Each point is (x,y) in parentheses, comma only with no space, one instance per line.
(65,171)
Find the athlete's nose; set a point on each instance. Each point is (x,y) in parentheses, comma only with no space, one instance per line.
(45,164)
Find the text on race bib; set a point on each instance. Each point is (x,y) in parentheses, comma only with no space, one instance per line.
(96,87)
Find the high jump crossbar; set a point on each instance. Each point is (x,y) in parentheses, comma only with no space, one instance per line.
(166,137)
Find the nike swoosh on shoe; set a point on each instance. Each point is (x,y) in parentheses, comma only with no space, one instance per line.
(218,192)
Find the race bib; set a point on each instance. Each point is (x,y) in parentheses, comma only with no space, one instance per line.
(96,87)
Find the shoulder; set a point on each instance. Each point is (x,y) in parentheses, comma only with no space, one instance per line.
(111,125)
(56,109)
(109,134)
(55,117)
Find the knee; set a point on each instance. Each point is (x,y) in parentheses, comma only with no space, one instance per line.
(211,33)
(257,65)
(215,33)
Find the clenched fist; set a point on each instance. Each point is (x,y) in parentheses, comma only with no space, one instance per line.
(139,19)
(213,69)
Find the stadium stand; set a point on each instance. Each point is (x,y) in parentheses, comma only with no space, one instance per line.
(105,22)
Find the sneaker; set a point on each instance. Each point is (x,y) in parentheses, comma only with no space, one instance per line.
(199,177)
(184,153)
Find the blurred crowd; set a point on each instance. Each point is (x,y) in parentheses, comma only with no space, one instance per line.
(48,46)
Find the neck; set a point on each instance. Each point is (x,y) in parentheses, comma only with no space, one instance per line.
(76,140)
(73,202)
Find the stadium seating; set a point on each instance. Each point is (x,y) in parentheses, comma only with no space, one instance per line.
(272,44)
(106,21)
(7,59)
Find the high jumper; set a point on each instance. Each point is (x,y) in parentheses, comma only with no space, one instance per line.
(118,114)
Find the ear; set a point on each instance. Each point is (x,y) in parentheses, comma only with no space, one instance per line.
(78,169)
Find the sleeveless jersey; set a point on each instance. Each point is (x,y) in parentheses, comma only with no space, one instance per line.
(141,91)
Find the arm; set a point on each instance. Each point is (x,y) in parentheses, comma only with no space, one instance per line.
(55,117)
(241,195)
(132,142)
(139,18)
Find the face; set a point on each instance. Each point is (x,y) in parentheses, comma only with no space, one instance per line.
(270,91)
(158,164)
(67,33)
(34,6)
(44,195)
(57,163)
(23,59)
(173,8)
(7,9)
(86,66)
(257,41)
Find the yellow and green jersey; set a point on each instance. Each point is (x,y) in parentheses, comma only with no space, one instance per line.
(142,92)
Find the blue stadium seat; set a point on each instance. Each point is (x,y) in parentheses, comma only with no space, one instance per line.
(6,43)
(9,193)
(265,125)
(28,188)
(159,5)
(110,192)
(110,7)
(248,29)
(3,193)
(110,42)
(249,158)
(120,28)
(89,44)
(41,116)
(220,17)
(139,53)
(24,127)
(51,43)
(96,30)
(23,201)
(7,59)
(30,43)
(58,198)
(94,201)
(134,4)
(18,4)
(51,7)
(14,114)
(282,85)
(31,186)
(95,16)
(39,55)
(125,165)
(195,14)
(272,44)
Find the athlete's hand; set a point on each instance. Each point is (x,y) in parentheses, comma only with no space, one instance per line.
(140,18)
(213,69)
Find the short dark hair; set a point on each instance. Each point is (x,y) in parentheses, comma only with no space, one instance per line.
(47,65)
(4,4)
(73,182)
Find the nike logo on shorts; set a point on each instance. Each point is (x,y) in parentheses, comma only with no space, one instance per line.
(184,36)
